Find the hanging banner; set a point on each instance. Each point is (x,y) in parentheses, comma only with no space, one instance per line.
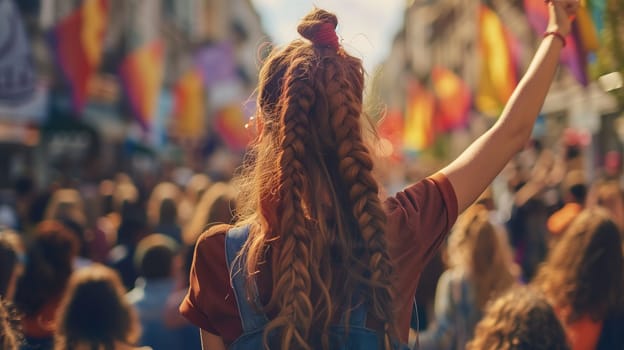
(216,63)
(17,72)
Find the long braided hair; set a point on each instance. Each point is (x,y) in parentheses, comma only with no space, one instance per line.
(307,189)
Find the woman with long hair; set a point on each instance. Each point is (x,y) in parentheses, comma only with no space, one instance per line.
(216,206)
(481,269)
(95,313)
(521,319)
(47,269)
(322,254)
(582,277)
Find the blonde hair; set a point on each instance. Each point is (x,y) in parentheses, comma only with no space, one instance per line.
(210,210)
(477,246)
(163,191)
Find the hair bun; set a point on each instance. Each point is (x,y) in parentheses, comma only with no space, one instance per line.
(319,26)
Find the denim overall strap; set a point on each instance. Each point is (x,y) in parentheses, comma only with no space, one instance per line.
(358,312)
(251,316)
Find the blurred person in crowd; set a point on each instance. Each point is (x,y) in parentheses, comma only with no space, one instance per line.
(193,192)
(66,206)
(481,268)
(154,259)
(95,314)
(48,267)
(10,336)
(526,225)
(521,319)
(25,194)
(9,217)
(582,277)
(162,211)
(186,334)
(132,228)
(39,205)
(314,233)
(112,196)
(115,194)
(609,195)
(216,206)
(106,222)
(574,193)
(12,259)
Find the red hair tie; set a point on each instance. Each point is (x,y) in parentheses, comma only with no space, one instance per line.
(326,36)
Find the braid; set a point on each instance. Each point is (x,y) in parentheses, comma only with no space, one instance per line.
(311,192)
(293,281)
(355,167)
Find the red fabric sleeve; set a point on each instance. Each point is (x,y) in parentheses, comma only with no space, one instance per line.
(419,219)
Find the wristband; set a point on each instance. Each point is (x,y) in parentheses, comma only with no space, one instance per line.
(558,35)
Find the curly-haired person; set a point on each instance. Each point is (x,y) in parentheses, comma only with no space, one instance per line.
(521,319)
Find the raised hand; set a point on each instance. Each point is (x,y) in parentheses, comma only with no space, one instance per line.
(562,13)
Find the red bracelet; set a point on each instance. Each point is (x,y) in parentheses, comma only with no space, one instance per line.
(558,35)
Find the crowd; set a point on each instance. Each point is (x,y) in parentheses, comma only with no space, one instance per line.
(316,259)
(537,263)
(108,269)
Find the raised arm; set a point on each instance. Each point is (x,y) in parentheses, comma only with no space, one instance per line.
(479,164)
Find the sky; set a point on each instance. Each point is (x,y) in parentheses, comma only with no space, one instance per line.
(366,27)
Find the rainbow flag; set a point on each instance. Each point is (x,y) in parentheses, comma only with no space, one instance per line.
(77,43)
(453,99)
(142,75)
(498,64)
(574,55)
(419,130)
(230,124)
(189,109)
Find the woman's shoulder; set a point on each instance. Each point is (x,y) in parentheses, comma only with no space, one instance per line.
(213,233)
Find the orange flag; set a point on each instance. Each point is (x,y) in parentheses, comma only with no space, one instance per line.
(189,109)
(419,129)
(588,34)
(498,73)
(453,96)
(142,76)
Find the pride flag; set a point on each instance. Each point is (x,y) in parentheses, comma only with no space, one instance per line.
(419,129)
(453,99)
(189,109)
(142,75)
(230,123)
(77,42)
(498,65)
